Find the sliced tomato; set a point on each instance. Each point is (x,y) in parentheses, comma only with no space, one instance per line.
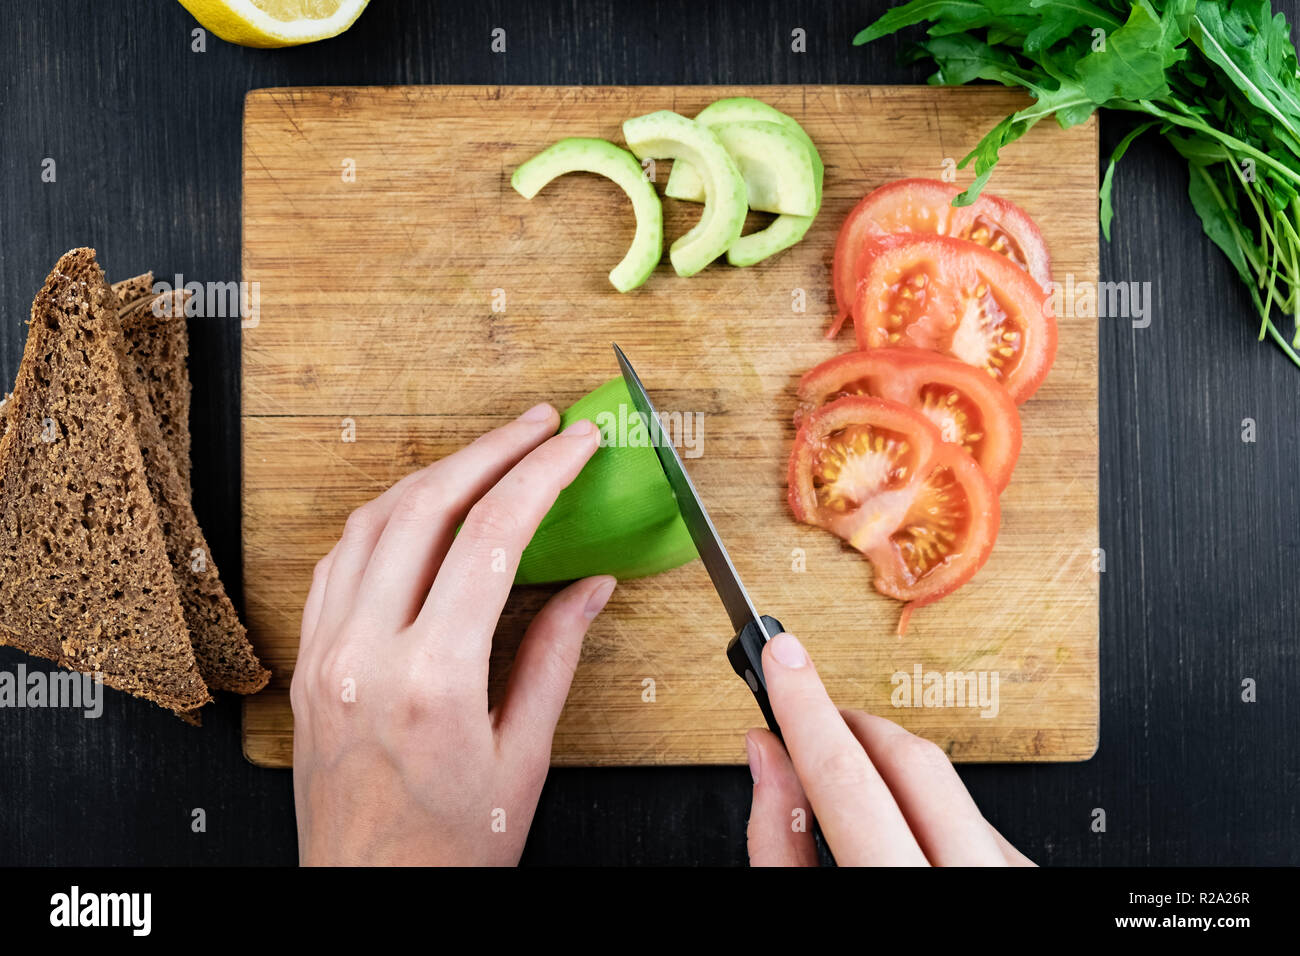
(956,297)
(968,407)
(1006,229)
(879,475)
(924,206)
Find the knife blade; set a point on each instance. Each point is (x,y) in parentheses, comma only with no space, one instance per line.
(753,630)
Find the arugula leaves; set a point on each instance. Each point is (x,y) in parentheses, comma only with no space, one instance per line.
(1219,80)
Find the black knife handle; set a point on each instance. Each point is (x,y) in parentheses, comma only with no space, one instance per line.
(746,655)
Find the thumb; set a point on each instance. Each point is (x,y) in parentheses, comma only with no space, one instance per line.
(780,821)
(544,665)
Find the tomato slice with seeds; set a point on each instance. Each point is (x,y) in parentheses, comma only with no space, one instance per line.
(878,475)
(911,207)
(1005,228)
(958,298)
(968,407)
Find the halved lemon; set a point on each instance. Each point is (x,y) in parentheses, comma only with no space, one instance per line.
(271,23)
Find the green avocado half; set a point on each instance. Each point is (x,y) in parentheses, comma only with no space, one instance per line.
(619,515)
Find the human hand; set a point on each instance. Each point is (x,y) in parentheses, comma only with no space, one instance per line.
(397,758)
(882,796)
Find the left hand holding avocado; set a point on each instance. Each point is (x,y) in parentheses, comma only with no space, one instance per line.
(397,758)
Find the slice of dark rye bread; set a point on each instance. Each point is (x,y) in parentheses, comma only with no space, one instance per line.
(157,344)
(85,580)
(225,657)
(134,288)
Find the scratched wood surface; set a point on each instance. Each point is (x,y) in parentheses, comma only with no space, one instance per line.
(423,301)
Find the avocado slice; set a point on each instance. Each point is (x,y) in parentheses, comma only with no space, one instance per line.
(684,182)
(782,233)
(785,230)
(668,135)
(580,154)
(777,168)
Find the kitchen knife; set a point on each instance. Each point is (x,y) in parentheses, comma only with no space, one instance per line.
(752,630)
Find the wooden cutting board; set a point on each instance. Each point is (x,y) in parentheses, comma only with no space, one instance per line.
(410,300)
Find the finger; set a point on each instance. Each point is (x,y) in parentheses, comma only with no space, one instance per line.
(315,599)
(424,517)
(353,549)
(544,665)
(1013,856)
(475,578)
(943,817)
(780,819)
(364,526)
(858,816)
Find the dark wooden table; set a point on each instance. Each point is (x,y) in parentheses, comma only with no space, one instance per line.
(1199,527)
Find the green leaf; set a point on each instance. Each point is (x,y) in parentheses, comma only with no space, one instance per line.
(1218,222)
(1060,18)
(1004,28)
(961,14)
(1006,18)
(1107,210)
(962,58)
(1254,52)
(1132,65)
(1199,149)
(1061,63)
(1176,18)
(1177,15)
(1066,102)
(1001,36)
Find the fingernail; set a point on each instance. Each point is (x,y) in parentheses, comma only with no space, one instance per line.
(538,413)
(599,598)
(579,429)
(755,757)
(788,651)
